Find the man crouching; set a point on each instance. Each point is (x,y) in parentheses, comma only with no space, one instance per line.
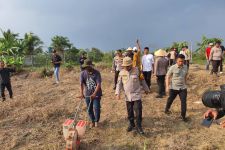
(130,81)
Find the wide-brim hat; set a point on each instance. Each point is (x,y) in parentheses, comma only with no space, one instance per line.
(129,49)
(127,62)
(211,44)
(87,63)
(160,53)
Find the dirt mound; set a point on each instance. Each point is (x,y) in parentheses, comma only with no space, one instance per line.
(33,119)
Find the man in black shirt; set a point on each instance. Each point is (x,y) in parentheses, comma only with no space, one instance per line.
(81,60)
(5,80)
(56,61)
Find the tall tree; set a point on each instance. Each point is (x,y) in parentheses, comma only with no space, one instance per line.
(60,43)
(32,44)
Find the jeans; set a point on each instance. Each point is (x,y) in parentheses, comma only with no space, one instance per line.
(116,77)
(147,76)
(9,88)
(183,97)
(134,106)
(94,108)
(161,84)
(56,73)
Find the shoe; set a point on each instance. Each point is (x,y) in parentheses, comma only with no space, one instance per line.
(221,72)
(96,124)
(167,112)
(3,99)
(159,96)
(130,128)
(140,130)
(164,94)
(184,119)
(114,88)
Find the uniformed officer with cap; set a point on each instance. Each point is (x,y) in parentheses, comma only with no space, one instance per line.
(116,66)
(129,80)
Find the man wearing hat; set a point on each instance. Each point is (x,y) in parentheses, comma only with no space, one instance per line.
(207,54)
(116,66)
(129,52)
(161,66)
(129,80)
(90,81)
(214,99)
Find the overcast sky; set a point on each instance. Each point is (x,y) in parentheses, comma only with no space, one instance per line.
(114,24)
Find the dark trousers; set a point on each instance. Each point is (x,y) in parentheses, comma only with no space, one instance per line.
(134,106)
(221,65)
(161,84)
(94,109)
(183,97)
(147,76)
(215,64)
(188,63)
(116,77)
(9,88)
(172,62)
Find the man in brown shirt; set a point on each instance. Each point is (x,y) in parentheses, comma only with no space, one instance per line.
(216,57)
(161,66)
(129,80)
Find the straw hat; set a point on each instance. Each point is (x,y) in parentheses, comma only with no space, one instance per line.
(127,62)
(211,44)
(87,63)
(161,53)
(130,49)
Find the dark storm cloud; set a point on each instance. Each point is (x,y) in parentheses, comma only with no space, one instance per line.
(115,24)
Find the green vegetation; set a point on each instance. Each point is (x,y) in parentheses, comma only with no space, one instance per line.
(14,51)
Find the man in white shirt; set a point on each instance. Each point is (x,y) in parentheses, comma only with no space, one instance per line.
(147,66)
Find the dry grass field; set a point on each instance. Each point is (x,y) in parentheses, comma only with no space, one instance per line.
(33,119)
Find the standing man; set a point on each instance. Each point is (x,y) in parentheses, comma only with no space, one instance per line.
(81,60)
(221,62)
(129,80)
(116,66)
(172,56)
(176,85)
(184,52)
(90,81)
(216,57)
(147,66)
(188,54)
(56,61)
(5,80)
(207,54)
(161,66)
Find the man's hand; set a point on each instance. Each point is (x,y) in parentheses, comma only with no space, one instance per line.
(93,96)
(117,97)
(81,96)
(211,113)
(167,89)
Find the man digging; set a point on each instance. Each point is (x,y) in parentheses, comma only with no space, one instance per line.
(129,80)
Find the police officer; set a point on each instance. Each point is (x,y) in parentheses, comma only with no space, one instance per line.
(130,81)
(116,66)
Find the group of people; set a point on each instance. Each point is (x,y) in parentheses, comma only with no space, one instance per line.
(133,73)
(214,55)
